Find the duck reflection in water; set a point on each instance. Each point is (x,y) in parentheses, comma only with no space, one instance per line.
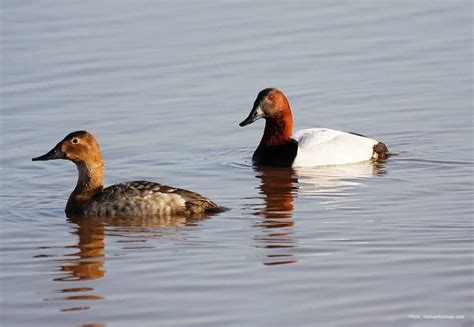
(330,186)
(278,185)
(86,265)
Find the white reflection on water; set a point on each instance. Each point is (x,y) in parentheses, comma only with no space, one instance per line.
(279,187)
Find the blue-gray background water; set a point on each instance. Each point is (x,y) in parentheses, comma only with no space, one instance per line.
(163,85)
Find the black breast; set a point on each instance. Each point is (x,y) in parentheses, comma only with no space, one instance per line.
(281,155)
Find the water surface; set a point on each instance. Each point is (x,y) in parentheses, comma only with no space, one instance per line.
(163,85)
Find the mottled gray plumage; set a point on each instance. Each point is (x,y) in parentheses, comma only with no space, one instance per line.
(147,198)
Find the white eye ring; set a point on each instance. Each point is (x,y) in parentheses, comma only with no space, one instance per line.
(75,140)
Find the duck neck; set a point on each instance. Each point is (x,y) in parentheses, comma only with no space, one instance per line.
(278,130)
(89,183)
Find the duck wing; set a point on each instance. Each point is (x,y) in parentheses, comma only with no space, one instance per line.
(141,198)
(324,147)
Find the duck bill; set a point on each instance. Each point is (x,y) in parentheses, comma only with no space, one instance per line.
(55,153)
(254,115)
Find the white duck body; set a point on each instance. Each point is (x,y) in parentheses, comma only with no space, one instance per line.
(326,147)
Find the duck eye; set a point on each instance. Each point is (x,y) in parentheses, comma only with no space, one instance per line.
(75,140)
(271,97)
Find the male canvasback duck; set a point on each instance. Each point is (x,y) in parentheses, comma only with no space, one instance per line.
(309,147)
(139,198)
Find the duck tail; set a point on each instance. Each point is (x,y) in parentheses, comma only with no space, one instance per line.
(217,209)
(380,151)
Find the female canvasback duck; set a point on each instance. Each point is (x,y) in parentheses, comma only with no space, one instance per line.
(139,198)
(309,147)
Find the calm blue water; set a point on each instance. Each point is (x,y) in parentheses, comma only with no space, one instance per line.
(163,85)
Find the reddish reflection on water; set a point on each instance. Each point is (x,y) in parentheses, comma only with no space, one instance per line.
(278,187)
(87,263)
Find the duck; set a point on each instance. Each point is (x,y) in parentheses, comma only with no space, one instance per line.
(137,198)
(311,147)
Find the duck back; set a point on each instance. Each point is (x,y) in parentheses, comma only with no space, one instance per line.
(325,147)
(142,198)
